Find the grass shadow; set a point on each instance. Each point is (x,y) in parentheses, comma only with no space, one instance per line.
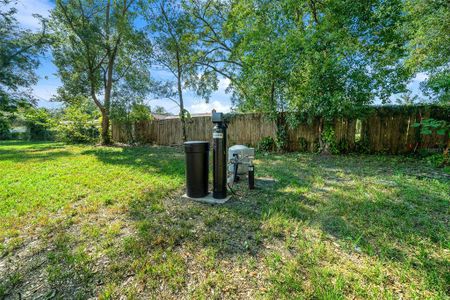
(19,151)
(379,207)
(165,160)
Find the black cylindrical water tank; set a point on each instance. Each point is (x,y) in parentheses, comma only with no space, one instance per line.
(197,155)
(220,161)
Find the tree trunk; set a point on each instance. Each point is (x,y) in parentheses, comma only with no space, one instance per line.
(180,98)
(324,148)
(106,139)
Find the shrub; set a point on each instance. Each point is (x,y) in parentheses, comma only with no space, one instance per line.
(329,140)
(266,144)
(282,139)
(440,127)
(362,147)
(436,160)
(127,113)
(78,126)
(4,128)
(342,146)
(40,123)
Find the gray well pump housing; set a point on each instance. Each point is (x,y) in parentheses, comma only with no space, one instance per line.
(243,154)
(240,162)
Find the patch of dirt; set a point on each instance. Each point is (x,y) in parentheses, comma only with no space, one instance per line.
(28,265)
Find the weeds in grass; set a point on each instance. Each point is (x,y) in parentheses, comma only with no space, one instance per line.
(112,224)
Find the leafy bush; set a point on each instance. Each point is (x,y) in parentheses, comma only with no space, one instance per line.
(78,126)
(342,146)
(266,144)
(127,112)
(4,128)
(282,139)
(40,123)
(428,126)
(440,127)
(436,160)
(329,140)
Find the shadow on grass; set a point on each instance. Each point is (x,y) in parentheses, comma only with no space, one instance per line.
(371,205)
(164,160)
(228,230)
(377,206)
(31,151)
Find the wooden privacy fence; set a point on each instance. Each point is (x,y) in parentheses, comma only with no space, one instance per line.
(383,129)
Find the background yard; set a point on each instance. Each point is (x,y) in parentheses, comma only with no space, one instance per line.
(83,221)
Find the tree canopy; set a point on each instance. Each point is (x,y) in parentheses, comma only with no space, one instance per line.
(428,25)
(18,57)
(325,58)
(97,51)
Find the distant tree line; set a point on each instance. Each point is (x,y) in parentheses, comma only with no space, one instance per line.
(325,58)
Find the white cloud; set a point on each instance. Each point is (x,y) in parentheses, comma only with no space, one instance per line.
(220,101)
(224,83)
(203,107)
(26,9)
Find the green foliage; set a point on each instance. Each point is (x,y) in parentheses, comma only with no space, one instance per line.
(428,27)
(18,57)
(40,123)
(128,112)
(266,144)
(327,58)
(361,146)
(99,53)
(440,127)
(303,145)
(79,123)
(159,110)
(281,141)
(342,146)
(430,126)
(140,112)
(329,140)
(436,160)
(5,126)
(175,41)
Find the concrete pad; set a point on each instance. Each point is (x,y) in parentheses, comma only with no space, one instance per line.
(208,199)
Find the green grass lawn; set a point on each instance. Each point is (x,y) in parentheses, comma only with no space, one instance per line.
(85,221)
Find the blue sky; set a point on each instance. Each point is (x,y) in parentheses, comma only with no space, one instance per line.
(49,82)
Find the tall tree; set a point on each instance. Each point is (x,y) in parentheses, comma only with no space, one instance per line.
(175,50)
(218,41)
(323,57)
(277,53)
(96,47)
